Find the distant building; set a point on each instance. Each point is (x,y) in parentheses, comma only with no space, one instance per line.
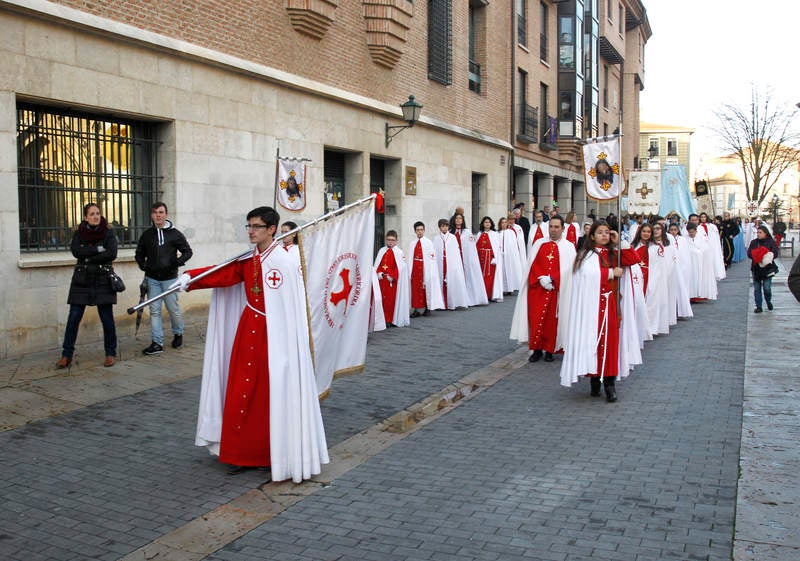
(660,145)
(727,187)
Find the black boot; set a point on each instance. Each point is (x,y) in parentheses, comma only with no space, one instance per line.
(548,357)
(595,383)
(537,354)
(611,391)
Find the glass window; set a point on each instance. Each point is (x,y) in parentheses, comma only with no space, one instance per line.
(543,14)
(522,22)
(66,159)
(653,150)
(672,147)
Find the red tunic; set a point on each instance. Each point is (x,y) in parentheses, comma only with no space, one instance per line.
(485,256)
(539,234)
(418,299)
(388,266)
(245,417)
(543,304)
(608,320)
(572,234)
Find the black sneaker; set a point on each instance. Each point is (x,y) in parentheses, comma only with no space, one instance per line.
(177,341)
(153,349)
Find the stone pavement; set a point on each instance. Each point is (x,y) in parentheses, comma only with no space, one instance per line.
(520,468)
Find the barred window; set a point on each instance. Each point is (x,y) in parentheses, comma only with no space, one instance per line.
(67,159)
(440,41)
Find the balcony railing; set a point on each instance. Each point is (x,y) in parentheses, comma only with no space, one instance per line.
(528,123)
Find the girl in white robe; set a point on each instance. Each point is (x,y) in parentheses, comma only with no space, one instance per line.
(658,285)
(512,271)
(476,290)
(682,272)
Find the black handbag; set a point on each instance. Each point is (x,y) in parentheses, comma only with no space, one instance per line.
(117,284)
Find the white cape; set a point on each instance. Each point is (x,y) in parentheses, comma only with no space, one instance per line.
(512,264)
(448,257)
(476,290)
(430,273)
(297,435)
(495,239)
(402,302)
(377,321)
(580,345)
(682,276)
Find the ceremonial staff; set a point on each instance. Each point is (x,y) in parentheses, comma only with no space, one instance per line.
(275,241)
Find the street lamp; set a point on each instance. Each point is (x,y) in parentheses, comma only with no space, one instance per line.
(411,112)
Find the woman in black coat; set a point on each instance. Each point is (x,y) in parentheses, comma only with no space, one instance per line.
(94,244)
(762,276)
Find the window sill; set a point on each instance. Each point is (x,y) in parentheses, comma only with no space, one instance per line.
(524,48)
(544,62)
(64,259)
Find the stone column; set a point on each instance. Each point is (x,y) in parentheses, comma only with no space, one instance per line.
(564,195)
(579,200)
(544,183)
(523,187)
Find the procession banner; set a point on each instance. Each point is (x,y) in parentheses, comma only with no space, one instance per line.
(644,192)
(675,195)
(603,169)
(337,261)
(290,184)
(704,202)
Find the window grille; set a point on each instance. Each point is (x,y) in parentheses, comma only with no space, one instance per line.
(67,159)
(440,41)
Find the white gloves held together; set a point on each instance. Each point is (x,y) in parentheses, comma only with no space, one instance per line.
(546,282)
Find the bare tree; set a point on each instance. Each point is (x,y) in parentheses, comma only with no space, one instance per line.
(762,135)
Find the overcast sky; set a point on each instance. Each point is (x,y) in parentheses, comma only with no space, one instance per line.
(705,52)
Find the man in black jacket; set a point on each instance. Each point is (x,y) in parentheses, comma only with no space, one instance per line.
(157,255)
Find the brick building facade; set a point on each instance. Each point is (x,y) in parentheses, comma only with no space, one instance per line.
(127,102)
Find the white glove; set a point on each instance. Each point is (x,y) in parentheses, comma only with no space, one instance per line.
(100,248)
(494,261)
(380,276)
(390,278)
(546,282)
(182,282)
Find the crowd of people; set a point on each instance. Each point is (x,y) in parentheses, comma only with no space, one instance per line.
(594,291)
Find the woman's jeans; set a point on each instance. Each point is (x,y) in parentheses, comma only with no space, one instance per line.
(106,313)
(766,285)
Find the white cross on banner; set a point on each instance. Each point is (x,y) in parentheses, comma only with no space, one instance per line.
(337,256)
(644,192)
(603,169)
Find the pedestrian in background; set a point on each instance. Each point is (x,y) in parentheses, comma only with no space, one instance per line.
(157,255)
(94,244)
(763,250)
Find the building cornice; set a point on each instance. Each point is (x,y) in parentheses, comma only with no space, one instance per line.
(64,15)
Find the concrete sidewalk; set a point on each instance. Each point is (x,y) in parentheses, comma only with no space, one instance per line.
(768,502)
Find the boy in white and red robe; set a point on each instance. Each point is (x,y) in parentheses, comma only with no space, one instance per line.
(541,313)
(392,271)
(258,381)
(426,294)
